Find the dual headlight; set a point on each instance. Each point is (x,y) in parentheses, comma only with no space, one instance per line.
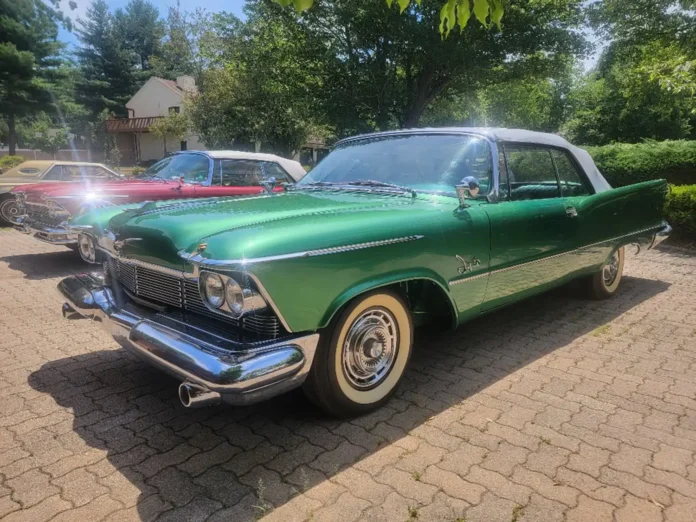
(224,294)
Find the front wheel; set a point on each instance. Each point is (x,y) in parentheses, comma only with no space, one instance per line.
(362,356)
(9,210)
(605,283)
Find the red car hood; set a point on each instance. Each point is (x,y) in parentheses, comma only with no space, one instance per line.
(39,191)
(71,196)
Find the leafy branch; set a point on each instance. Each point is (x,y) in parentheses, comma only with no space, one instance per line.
(453,13)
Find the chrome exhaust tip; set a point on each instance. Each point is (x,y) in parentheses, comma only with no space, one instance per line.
(194,395)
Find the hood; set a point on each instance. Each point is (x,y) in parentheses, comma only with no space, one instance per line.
(262,226)
(80,189)
(73,196)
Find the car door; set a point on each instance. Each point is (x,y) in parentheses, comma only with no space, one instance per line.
(234,177)
(530,226)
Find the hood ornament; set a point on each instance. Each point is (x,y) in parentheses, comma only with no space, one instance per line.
(200,248)
(119,244)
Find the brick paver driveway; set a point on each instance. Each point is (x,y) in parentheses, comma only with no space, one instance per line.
(557,408)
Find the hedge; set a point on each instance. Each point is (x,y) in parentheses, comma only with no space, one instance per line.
(8,162)
(624,164)
(681,209)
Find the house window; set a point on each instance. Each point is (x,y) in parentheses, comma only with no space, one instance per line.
(183,145)
(174,110)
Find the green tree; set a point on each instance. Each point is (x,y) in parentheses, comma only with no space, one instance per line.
(452,13)
(176,125)
(141,30)
(266,89)
(108,74)
(657,36)
(29,52)
(618,103)
(190,44)
(531,103)
(383,69)
(43,135)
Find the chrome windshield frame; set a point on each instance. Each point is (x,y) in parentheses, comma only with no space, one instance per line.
(493,195)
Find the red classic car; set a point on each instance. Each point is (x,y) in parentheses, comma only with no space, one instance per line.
(46,209)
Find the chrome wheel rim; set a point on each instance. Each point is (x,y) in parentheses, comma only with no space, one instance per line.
(9,210)
(87,248)
(370,348)
(611,270)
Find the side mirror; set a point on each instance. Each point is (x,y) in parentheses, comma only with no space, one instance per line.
(269,184)
(467,189)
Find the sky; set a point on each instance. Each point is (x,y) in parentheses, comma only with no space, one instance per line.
(231,6)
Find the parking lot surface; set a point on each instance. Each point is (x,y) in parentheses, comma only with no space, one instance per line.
(557,408)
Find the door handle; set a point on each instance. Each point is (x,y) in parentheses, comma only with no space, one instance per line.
(571,212)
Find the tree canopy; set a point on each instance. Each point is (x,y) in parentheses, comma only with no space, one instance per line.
(280,76)
(29,52)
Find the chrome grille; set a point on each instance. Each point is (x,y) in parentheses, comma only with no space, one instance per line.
(42,214)
(167,289)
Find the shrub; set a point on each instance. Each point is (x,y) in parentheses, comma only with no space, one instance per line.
(625,164)
(681,209)
(9,162)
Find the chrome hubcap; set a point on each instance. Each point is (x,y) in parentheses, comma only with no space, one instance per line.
(10,210)
(611,270)
(86,248)
(369,350)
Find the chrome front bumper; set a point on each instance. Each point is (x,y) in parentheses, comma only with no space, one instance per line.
(56,235)
(241,372)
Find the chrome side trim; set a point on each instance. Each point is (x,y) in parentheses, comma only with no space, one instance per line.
(234,264)
(662,230)
(467,279)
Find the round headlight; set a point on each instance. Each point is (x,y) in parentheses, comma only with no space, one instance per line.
(213,289)
(235,297)
(87,249)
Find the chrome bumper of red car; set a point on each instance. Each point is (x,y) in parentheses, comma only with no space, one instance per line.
(56,235)
(213,368)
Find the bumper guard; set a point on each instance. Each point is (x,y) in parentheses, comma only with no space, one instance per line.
(56,235)
(240,372)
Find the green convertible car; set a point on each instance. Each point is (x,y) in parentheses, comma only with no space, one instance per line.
(322,285)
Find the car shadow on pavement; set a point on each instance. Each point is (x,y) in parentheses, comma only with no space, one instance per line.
(240,463)
(48,265)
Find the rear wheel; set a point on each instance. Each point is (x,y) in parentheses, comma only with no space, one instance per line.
(605,283)
(8,209)
(362,356)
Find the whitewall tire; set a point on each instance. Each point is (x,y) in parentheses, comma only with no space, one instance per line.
(362,356)
(605,283)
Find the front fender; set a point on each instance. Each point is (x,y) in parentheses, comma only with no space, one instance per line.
(308,291)
(383,280)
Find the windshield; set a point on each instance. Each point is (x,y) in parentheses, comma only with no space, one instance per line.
(428,162)
(192,167)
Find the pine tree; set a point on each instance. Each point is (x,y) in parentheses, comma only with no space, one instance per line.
(28,58)
(107,66)
(141,29)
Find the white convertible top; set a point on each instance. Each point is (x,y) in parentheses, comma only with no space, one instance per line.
(543,138)
(519,136)
(291,166)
